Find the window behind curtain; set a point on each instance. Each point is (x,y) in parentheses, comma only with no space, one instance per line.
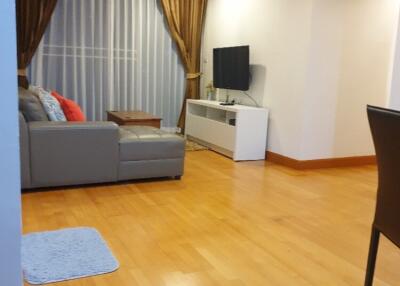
(111,55)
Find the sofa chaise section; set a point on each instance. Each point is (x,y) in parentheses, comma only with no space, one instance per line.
(149,152)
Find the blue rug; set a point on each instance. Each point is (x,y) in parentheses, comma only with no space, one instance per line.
(70,253)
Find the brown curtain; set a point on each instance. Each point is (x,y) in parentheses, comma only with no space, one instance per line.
(33,17)
(185,20)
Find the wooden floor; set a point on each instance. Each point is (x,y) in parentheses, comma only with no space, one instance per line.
(226,223)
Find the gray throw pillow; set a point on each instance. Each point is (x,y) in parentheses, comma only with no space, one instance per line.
(30,106)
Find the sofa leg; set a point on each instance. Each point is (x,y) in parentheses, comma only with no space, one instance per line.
(177,177)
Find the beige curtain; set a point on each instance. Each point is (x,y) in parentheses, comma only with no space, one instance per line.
(185,20)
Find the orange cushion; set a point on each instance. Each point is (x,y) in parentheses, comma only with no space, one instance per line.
(71,110)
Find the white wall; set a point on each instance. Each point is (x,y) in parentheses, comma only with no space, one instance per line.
(317,64)
(278,34)
(10,211)
(350,55)
(394,99)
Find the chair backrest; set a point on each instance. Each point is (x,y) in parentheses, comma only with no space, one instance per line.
(385,128)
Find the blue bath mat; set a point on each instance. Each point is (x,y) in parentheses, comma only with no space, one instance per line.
(70,253)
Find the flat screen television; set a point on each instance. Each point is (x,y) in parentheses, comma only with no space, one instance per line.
(231,67)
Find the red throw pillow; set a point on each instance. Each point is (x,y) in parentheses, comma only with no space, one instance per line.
(71,110)
(57,96)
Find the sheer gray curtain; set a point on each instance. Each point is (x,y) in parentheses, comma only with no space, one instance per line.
(111,55)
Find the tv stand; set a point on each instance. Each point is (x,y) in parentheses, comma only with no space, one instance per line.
(238,131)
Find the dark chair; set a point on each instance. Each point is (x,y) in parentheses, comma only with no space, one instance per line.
(385,129)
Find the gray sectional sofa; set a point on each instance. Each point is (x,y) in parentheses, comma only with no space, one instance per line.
(72,153)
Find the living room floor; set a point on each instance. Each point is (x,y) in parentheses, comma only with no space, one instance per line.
(226,223)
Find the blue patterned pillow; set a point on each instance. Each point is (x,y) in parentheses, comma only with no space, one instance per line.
(50,104)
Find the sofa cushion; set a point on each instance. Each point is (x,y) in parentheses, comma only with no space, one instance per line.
(30,106)
(149,143)
(71,109)
(50,104)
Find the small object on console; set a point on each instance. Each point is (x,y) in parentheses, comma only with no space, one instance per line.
(228,103)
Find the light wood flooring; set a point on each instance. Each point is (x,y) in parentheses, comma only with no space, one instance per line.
(226,223)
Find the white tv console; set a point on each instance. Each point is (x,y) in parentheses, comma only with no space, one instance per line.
(237,131)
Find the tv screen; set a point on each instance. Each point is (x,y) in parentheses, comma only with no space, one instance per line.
(231,68)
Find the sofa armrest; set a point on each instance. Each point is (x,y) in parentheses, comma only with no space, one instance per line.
(24,152)
(72,153)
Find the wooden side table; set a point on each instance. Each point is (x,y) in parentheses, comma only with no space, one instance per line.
(134,118)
